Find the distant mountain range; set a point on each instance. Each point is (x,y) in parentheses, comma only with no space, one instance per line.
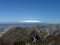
(20,24)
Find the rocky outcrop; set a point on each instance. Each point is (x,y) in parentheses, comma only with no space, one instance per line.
(21,34)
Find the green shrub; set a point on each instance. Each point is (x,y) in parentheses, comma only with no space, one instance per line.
(19,43)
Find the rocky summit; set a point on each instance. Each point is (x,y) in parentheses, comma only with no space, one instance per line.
(36,35)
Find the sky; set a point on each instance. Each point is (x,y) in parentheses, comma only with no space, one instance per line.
(47,11)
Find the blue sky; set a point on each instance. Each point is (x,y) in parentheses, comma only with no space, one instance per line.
(47,11)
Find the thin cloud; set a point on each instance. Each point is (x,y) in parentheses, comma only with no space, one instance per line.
(33,21)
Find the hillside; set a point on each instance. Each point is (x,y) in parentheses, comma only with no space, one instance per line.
(38,35)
